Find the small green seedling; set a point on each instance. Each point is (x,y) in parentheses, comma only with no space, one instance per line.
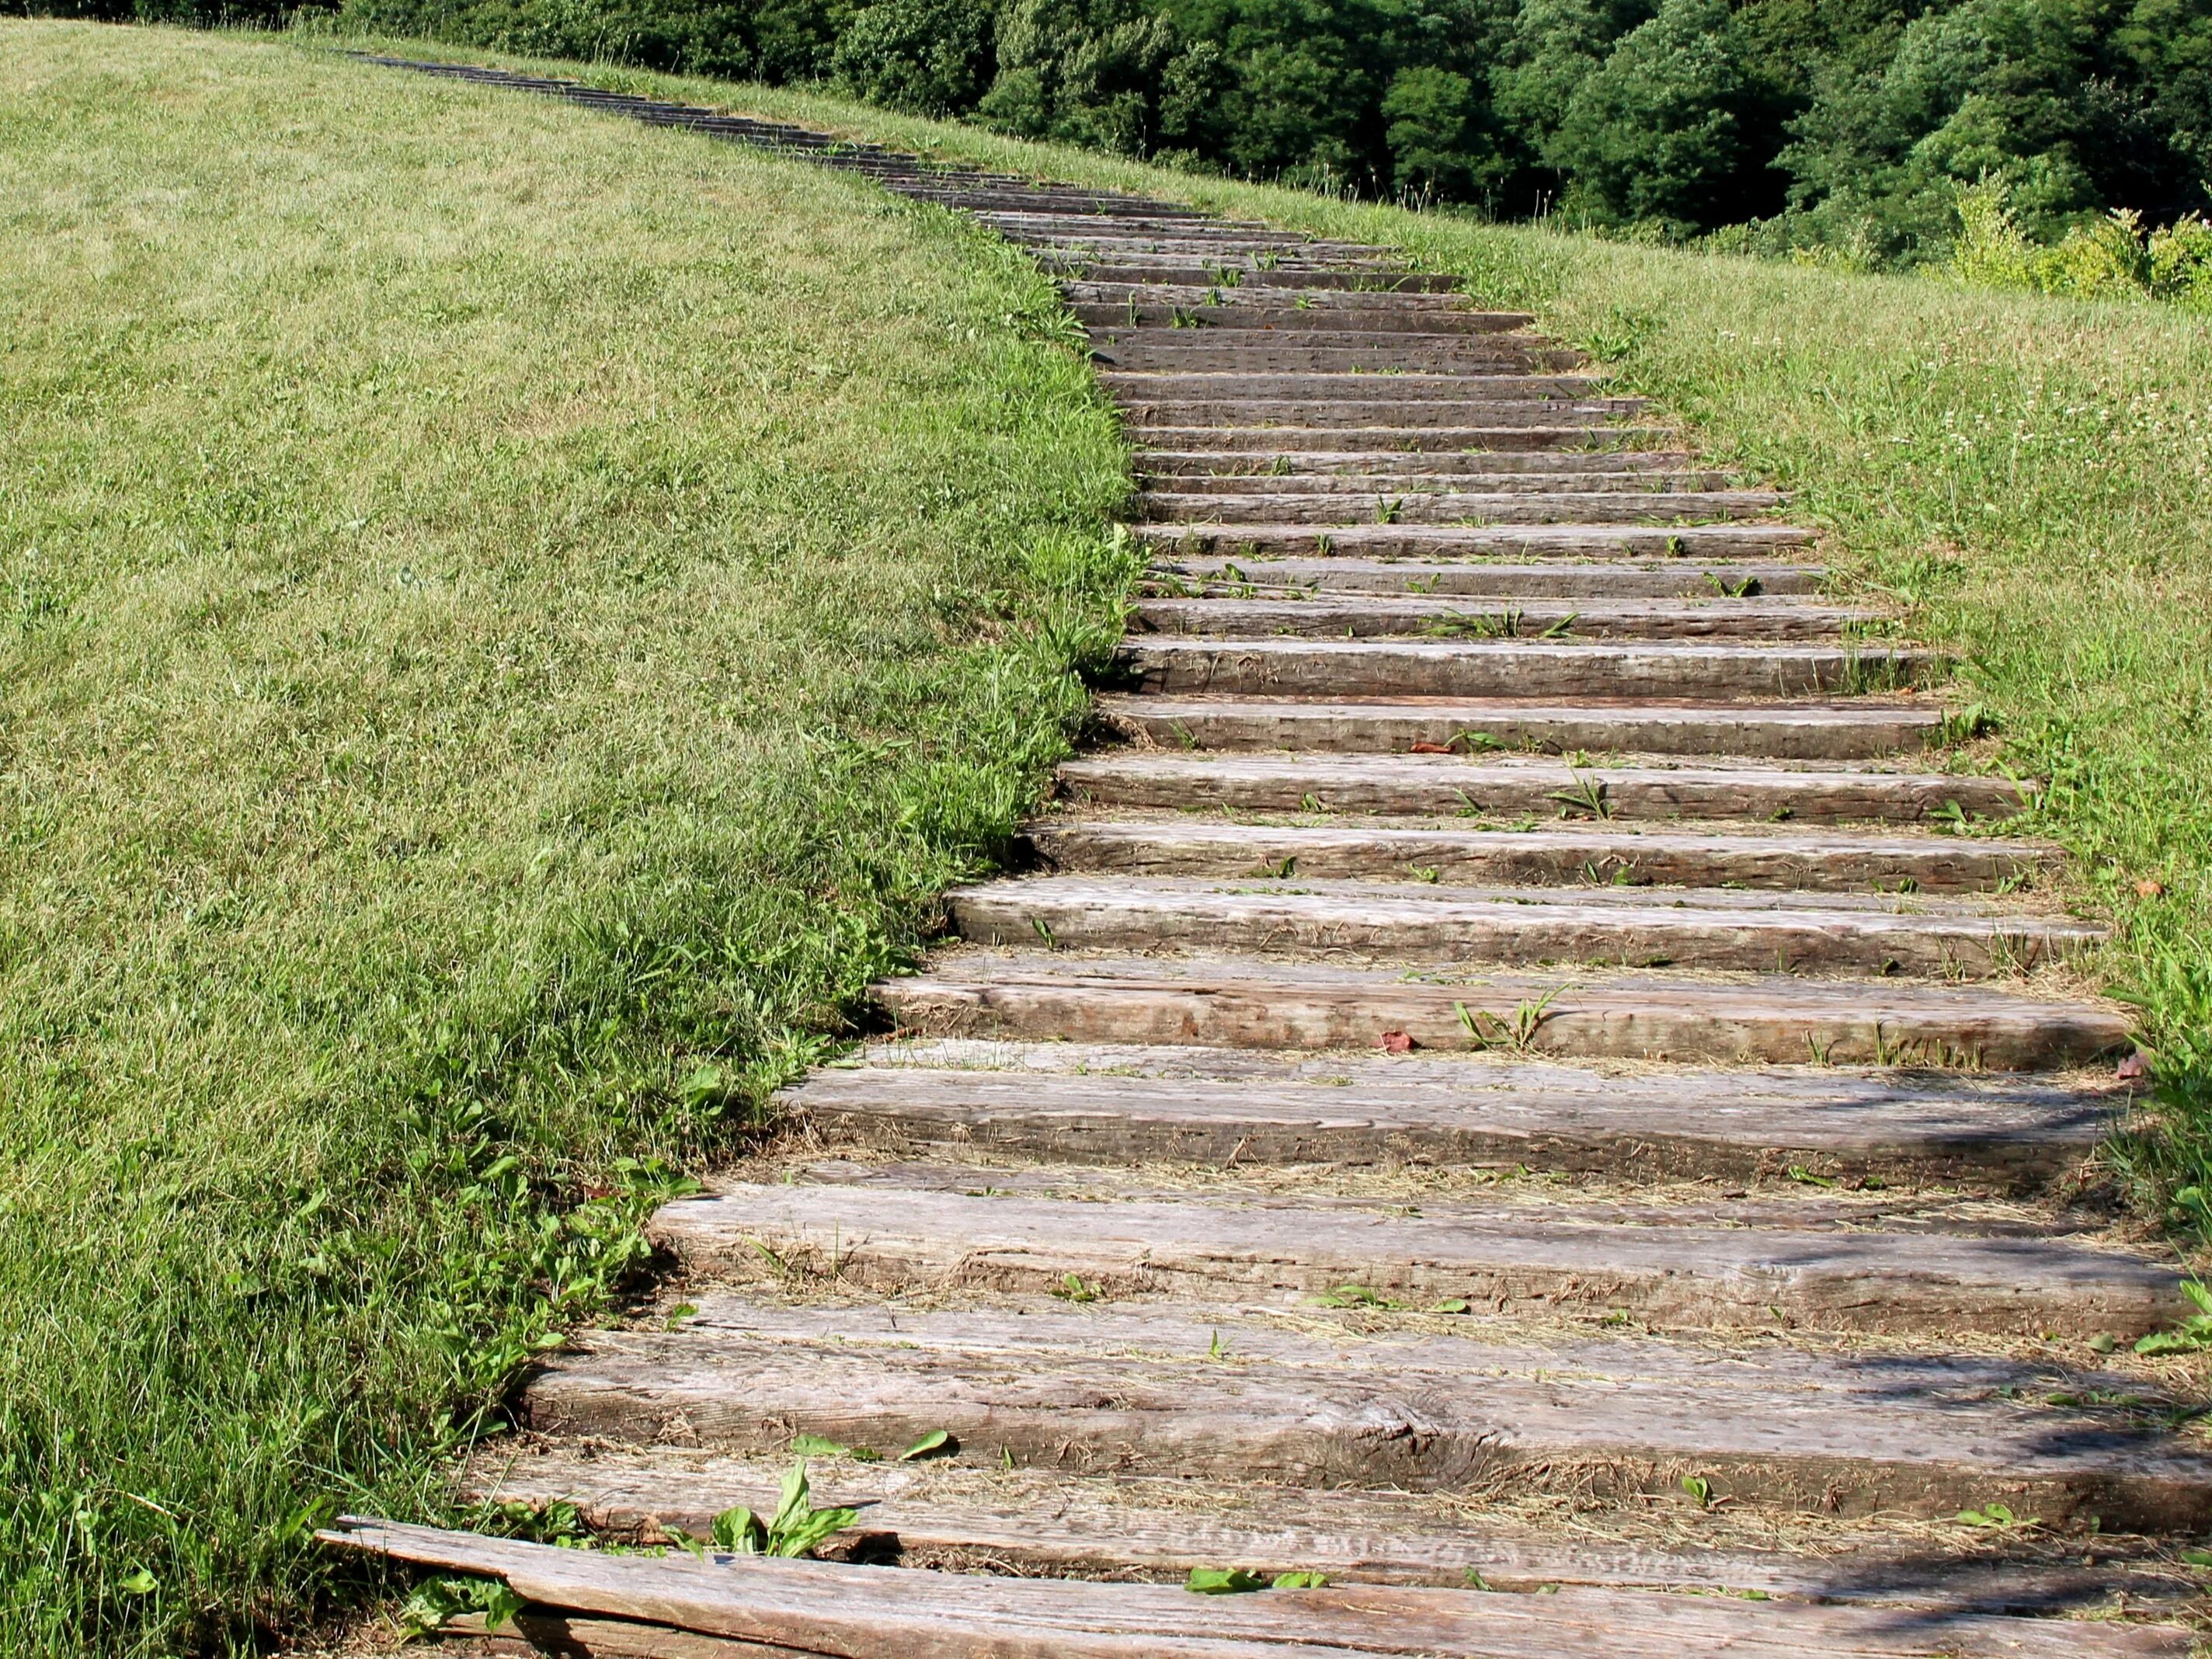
(435,1604)
(2193,1335)
(937,1442)
(795,1530)
(1700,1489)
(1997,1517)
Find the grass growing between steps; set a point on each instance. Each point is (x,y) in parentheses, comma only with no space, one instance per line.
(507,620)
(2032,476)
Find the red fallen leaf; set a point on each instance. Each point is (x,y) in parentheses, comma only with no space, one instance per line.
(592,1192)
(1429,748)
(2147,888)
(1396,1042)
(2133,1067)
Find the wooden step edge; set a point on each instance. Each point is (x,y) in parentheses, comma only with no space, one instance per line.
(867,1613)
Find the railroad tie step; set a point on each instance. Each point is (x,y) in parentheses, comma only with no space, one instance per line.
(1218,999)
(1460,506)
(1510,786)
(1229,1109)
(1251,576)
(1356,616)
(1427,540)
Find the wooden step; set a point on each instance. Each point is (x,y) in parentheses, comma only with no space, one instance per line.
(1361,616)
(1232,1109)
(1802,730)
(1258,288)
(639,1606)
(1229,1002)
(1351,465)
(1251,577)
(1167,386)
(1492,507)
(1424,540)
(1511,786)
(1250,306)
(1377,409)
(894,1236)
(1573,854)
(928,1515)
(1325,351)
(1268,666)
(1400,439)
(1363,489)
(1428,922)
(1308,1399)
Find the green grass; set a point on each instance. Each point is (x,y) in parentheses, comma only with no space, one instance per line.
(2031,477)
(507,619)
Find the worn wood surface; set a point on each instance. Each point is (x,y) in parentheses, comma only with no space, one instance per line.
(1446,785)
(865,1612)
(1256,505)
(1570,854)
(1225,1108)
(1502,1257)
(1695,541)
(1364,616)
(1611,579)
(1235,1002)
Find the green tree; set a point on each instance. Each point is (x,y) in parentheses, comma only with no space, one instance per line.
(927,57)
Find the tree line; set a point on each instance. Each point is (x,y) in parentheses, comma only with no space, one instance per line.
(1849,125)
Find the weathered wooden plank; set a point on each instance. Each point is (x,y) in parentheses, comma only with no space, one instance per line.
(1506,1258)
(1369,413)
(1857,729)
(1570,854)
(1159,385)
(1338,460)
(1595,579)
(1336,617)
(1422,921)
(1338,485)
(923,1516)
(1227,1108)
(1511,786)
(1282,439)
(1379,1402)
(867,1613)
(1696,541)
(1234,1002)
(1458,507)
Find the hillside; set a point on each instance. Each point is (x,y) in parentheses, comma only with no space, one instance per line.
(507,623)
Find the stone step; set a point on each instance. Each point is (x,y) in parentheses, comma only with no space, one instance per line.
(1347,468)
(1237,388)
(1117,1104)
(1419,922)
(1582,480)
(1246,1393)
(1509,786)
(1460,443)
(1515,668)
(1861,729)
(1361,615)
(645,1607)
(1571,854)
(891,1236)
(1346,507)
(930,1515)
(1622,580)
(1376,410)
(1417,541)
(1229,1002)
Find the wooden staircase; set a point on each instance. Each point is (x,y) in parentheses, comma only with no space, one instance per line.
(1515,1068)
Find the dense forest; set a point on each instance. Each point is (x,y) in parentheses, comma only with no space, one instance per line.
(1843,124)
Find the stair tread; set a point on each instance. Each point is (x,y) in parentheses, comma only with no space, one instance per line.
(1609,578)
(1322,1399)
(886,1234)
(1227,1107)
(1228,1000)
(858,1612)
(1371,616)
(1093,1524)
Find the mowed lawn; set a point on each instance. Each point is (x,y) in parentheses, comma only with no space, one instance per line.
(506,620)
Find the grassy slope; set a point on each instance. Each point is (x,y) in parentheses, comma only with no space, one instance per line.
(2033,477)
(506,619)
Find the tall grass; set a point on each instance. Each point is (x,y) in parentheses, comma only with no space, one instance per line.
(507,620)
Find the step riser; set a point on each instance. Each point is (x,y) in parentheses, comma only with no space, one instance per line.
(1747,942)
(1167,386)
(1946,865)
(1124,353)
(1144,414)
(1646,796)
(1744,732)
(1267,1016)
(1194,275)
(1349,468)
(1616,1271)
(1374,541)
(1505,669)
(1242,617)
(1427,487)
(1257,579)
(1398,439)
(1341,510)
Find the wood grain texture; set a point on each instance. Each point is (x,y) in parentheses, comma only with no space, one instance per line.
(1233,1002)
(1624,579)
(1340,617)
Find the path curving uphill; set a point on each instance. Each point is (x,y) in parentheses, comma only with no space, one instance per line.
(1516,1068)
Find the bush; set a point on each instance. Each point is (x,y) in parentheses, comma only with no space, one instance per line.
(924,56)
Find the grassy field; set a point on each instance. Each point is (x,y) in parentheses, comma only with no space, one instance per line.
(2032,476)
(506,620)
